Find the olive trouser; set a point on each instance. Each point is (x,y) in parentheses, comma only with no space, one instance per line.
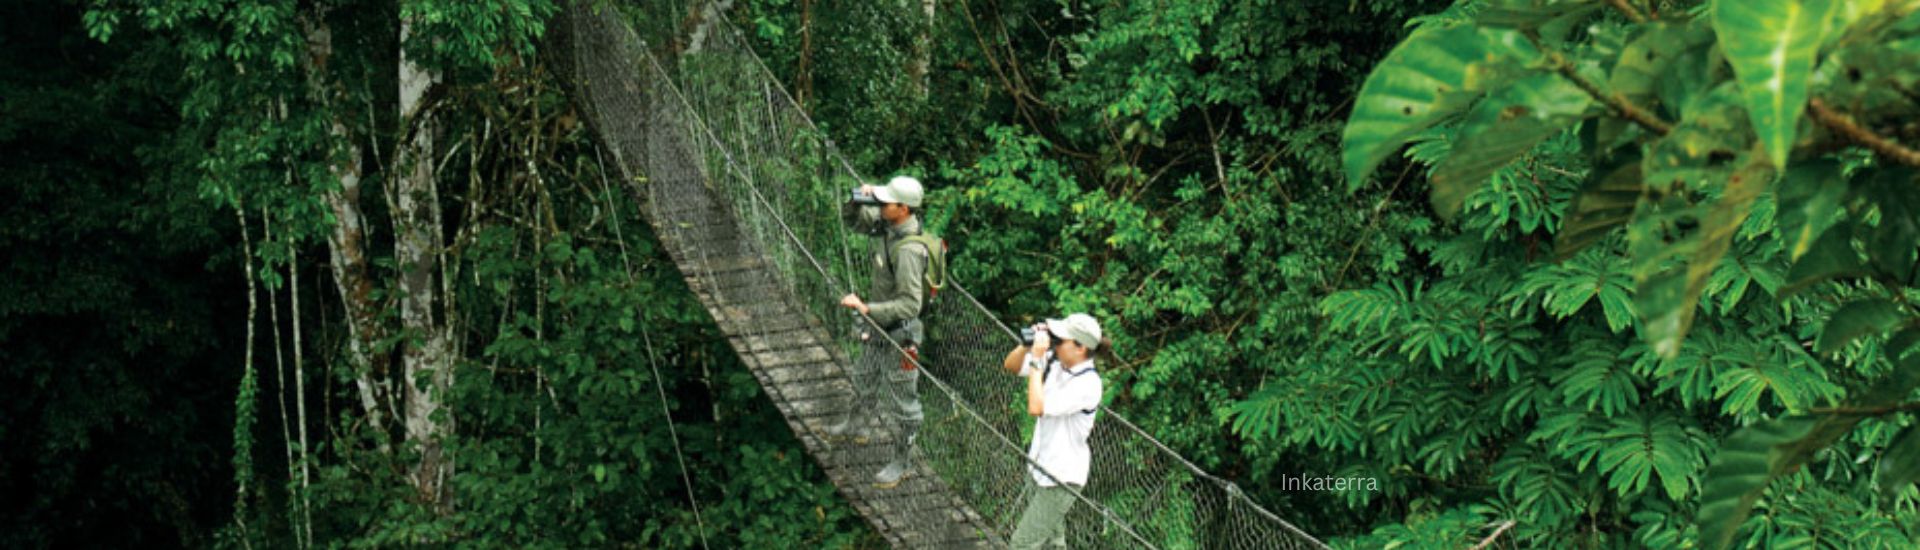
(882,385)
(1044,524)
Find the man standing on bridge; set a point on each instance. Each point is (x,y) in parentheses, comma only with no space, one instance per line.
(1063,395)
(883,381)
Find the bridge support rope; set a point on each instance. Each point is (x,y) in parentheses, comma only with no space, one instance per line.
(741,188)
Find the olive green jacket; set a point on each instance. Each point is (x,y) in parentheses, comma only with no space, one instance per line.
(898,291)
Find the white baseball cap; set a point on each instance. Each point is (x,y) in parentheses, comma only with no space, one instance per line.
(1080,327)
(901,189)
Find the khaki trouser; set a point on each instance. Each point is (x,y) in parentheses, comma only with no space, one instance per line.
(881,385)
(1044,524)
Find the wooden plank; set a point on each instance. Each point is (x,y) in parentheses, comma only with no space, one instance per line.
(804,373)
(814,407)
(758,342)
(689,210)
(819,388)
(740,278)
(782,358)
(709,265)
(730,316)
(765,295)
(756,286)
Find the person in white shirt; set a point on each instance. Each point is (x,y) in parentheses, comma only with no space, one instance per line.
(1063,394)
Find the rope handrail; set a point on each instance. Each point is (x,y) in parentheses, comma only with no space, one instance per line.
(719,121)
(941,385)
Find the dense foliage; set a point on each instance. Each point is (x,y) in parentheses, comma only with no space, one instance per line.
(1733,197)
(1616,288)
(1498,355)
(120,302)
(180,319)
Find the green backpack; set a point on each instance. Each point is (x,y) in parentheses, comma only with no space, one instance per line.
(936,260)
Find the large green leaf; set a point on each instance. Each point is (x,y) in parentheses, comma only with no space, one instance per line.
(1603,204)
(1750,459)
(1809,199)
(1652,57)
(1848,12)
(1856,319)
(1435,73)
(1502,128)
(1665,294)
(1753,457)
(1772,45)
(1900,464)
(1658,55)
(1831,255)
(1551,18)
(1892,242)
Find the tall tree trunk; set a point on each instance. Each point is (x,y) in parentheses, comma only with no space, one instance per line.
(417,242)
(345,244)
(244,405)
(706,22)
(280,369)
(922,62)
(803,71)
(300,401)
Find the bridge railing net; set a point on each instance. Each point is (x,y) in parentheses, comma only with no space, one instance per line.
(715,122)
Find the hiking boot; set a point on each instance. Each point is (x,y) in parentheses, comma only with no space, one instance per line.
(892,475)
(846,431)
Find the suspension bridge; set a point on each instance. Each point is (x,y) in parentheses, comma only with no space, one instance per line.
(744,192)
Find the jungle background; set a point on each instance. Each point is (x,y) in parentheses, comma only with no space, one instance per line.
(244,240)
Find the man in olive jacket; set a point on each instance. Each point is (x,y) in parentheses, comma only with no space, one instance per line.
(883,381)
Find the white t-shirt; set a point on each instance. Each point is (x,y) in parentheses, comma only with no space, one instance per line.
(1071,399)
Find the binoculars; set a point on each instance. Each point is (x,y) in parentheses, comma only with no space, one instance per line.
(1026,336)
(863,197)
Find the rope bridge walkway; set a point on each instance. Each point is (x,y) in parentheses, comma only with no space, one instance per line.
(744,191)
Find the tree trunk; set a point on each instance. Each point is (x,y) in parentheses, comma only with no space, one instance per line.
(803,71)
(428,369)
(705,23)
(922,62)
(345,244)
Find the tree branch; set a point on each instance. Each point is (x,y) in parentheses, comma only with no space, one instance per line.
(1867,411)
(1842,124)
(1633,14)
(1503,527)
(1617,103)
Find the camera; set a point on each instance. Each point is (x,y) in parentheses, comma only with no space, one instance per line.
(863,197)
(1026,336)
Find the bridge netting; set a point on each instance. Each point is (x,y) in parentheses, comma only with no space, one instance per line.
(674,84)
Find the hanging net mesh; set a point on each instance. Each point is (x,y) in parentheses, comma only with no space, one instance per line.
(746,193)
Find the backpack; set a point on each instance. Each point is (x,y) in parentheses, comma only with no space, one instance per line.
(936,276)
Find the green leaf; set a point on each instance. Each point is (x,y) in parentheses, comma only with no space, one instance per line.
(1657,55)
(1754,456)
(1435,73)
(1646,446)
(1666,296)
(1750,459)
(1832,255)
(1603,204)
(1551,16)
(1891,243)
(1860,318)
(1599,380)
(1771,45)
(1503,127)
(1809,199)
(1900,463)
